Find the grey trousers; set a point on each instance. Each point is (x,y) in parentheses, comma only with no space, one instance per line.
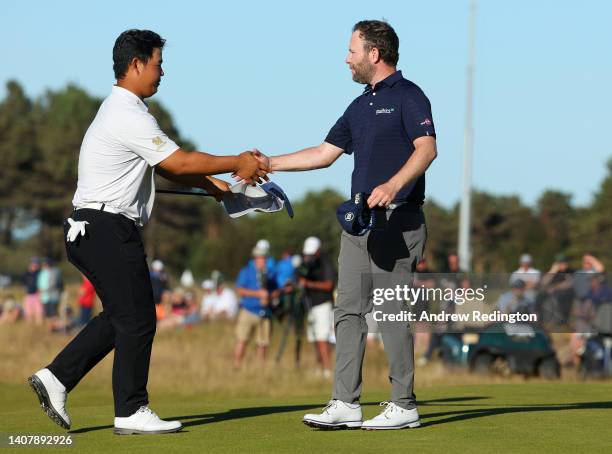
(383,258)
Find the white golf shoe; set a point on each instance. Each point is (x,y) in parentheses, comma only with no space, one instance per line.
(393,417)
(51,395)
(145,421)
(336,415)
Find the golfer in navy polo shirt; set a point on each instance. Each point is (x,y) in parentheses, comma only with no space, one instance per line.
(389,131)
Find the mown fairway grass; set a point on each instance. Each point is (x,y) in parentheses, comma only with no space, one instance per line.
(532,417)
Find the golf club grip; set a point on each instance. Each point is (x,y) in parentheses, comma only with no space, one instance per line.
(176,191)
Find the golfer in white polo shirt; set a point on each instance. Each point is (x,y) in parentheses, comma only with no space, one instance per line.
(121,151)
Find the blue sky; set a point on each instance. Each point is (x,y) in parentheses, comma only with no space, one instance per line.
(271,74)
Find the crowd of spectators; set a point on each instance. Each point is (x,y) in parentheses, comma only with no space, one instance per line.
(298,290)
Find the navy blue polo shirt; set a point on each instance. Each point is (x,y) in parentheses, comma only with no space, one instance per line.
(378,128)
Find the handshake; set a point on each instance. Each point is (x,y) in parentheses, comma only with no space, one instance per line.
(252,167)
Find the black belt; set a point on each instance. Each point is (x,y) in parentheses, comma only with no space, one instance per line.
(380,213)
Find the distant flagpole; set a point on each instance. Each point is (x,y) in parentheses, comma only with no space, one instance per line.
(465,252)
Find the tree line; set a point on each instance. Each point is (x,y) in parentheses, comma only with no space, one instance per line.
(39,144)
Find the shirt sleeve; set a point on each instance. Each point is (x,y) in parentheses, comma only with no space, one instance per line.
(145,138)
(416,115)
(340,134)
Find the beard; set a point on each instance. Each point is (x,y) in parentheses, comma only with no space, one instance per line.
(364,71)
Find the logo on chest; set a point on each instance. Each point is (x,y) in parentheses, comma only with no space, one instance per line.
(385,110)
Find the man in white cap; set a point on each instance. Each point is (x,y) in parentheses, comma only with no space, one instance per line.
(255,286)
(208,300)
(159,280)
(318,284)
(529,275)
(219,302)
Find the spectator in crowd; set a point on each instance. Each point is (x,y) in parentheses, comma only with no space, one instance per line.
(285,304)
(162,309)
(599,292)
(87,296)
(516,299)
(450,280)
(421,274)
(50,286)
(220,303)
(263,246)
(227,302)
(179,304)
(585,310)
(208,299)
(423,278)
(191,313)
(32,306)
(452,263)
(159,280)
(285,269)
(255,286)
(529,275)
(9,311)
(318,284)
(5,281)
(179,309)
(582,277)
(559,286)
(454,277)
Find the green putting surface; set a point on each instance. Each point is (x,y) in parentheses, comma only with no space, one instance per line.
(529,417)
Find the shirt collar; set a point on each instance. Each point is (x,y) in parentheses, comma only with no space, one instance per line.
(130,97)
(389,81)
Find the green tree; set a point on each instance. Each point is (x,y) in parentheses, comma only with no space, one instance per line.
(18,151)
(442,231)
(502,229)
(61,120)
(554,214)
(591,228)
(177,221)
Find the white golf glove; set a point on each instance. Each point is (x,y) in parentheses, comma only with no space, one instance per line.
(76,228)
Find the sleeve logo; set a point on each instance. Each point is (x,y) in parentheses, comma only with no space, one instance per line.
(158,142)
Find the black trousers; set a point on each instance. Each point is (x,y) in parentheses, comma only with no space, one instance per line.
(111,255)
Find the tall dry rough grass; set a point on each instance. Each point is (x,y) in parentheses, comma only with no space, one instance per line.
(199,361)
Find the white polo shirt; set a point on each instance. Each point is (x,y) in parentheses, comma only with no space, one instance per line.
(119,151)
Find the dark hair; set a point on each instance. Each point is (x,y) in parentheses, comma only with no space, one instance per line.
(381,35)
(134,44)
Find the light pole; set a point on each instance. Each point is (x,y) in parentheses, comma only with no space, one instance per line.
(465,252)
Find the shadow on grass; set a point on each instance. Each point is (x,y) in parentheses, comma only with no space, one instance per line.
(241,413)
(462,415)
(207,418)
(446,416)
